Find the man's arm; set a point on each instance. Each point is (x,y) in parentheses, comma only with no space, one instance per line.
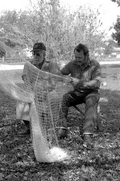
(66,69)
(94,83)
(24,73)
(54,68)
(27,77)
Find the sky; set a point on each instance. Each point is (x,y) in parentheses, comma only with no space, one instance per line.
(108,9)
(13,4)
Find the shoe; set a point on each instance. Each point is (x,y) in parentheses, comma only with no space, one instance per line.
(87,141)
(25,133)
(27,123)
(63,133)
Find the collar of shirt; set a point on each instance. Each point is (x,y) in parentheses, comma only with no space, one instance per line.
(38,65)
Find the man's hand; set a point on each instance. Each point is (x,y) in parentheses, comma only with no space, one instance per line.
(24,78)
(75,81)
(86,84)
(72,80)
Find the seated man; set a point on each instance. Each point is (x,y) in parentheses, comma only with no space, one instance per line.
(85,77)
(39,61)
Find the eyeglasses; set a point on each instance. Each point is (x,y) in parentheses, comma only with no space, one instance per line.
(36,54)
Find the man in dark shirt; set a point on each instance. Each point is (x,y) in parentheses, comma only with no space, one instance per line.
(85,77)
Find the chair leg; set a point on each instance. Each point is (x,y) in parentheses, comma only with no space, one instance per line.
(99,126)
(81,129)
(98,121)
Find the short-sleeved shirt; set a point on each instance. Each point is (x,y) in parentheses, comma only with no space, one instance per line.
(88,72)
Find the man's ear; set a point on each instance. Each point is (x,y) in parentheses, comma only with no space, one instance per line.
(86,58)
(44,53)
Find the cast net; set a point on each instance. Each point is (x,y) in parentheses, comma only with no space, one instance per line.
(40,96)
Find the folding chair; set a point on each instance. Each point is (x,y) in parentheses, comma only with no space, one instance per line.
(81,110)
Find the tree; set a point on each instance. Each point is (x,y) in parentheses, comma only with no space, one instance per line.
(116,35)
(9,28)
(47,21)
(116,1)
(86,28)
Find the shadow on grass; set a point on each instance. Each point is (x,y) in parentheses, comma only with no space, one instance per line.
(110,111)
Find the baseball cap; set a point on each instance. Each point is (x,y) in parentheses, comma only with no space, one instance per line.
(38,46)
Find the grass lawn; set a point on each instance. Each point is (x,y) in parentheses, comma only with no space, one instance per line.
(17,160)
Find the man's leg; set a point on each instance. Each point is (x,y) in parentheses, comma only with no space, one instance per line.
(90,116)
(26,119)
(27,125)
(69,99)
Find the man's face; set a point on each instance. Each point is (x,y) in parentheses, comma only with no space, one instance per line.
(79,57)
(39,56)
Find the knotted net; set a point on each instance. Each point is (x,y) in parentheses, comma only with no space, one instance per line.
(41,93)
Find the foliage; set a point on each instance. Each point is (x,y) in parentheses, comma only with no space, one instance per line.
(116,35)
(109,47)
(47,21)
(116,1)
(87,28)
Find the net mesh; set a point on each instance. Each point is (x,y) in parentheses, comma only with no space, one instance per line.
(40,95)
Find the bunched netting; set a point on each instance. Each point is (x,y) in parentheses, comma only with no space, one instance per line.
(40,96)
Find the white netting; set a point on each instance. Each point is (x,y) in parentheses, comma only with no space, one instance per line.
(41,95)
